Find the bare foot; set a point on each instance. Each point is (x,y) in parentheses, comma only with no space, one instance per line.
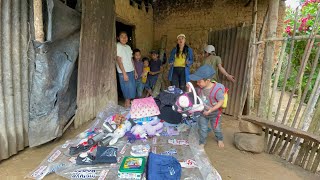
(220,144)
(127,103)
(201,147)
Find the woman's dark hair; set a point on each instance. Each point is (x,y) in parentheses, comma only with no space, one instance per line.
(184,51)
(135,51)
(122,32)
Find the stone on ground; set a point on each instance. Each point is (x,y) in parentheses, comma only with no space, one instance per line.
(249,142)
(248,127)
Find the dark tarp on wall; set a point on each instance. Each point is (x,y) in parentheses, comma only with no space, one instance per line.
(54,79)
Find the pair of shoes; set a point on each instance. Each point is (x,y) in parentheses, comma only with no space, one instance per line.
(140,150)
(85,159)
(79,148)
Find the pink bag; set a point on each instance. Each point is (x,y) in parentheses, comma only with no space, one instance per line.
(145,107)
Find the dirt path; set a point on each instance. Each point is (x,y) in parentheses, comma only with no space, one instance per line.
(230,162)
(237,165)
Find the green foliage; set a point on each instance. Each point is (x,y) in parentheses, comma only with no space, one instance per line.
(306,20)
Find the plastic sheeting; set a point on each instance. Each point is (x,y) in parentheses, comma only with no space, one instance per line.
(62,164)
(54,80)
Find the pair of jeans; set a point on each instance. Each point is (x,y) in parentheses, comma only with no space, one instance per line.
(151,81)
(139,87)
(215,122)
(179,78)
(128,88)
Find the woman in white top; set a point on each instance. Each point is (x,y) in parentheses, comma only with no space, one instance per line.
(125,69)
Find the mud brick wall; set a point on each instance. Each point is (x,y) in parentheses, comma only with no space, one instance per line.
(196,18)
(141,20)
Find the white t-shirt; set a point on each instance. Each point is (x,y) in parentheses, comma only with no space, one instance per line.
(125,52)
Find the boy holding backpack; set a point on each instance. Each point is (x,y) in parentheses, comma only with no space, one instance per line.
(212,95)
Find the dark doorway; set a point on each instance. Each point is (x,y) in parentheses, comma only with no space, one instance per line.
(130,31)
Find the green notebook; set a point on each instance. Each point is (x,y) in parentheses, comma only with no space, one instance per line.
(132,167)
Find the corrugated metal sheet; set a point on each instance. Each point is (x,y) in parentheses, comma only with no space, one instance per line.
(96,73)
(232,46)
(14,78)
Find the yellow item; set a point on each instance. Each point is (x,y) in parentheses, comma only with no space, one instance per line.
(225,95)
(145,72)
(180,61)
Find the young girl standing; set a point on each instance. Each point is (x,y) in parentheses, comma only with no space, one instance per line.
(125,69)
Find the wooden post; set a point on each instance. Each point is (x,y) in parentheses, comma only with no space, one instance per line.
(304,63)
(275,84)
(314,66)
(252,57)
(38,20)
(288,67)
(310,107)
(268,59)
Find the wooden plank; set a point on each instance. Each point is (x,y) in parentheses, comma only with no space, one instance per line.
(316,162)
(295,151)
(292,142)
(312,155)
(306,154)
(285,146)
(235,66)
(242,70)
(96,72)
(226,60)
(230,68)
(276,140)
(282,128)
(301,153)
(266,137)
(279,143)
(271,139)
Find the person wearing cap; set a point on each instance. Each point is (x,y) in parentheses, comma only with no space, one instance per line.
(181,58)
(214,61)
(155,69)
(212,95)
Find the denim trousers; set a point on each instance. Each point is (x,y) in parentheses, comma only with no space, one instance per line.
(215,122)
(139,87)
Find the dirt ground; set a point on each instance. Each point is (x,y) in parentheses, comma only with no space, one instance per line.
(230,162)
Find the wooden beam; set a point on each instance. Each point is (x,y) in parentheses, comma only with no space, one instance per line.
(304,37)
(288,67)
(268,59)
(38,20)
(282,128)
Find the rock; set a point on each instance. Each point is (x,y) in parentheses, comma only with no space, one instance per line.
(249,142)
(248,127)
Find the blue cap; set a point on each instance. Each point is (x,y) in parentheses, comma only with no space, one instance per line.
(204,72)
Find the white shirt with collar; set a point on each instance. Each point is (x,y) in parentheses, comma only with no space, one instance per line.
(125,52)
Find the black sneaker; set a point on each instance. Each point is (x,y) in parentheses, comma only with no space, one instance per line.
(78,149)
(85,159)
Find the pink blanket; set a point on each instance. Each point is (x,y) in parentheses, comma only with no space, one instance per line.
(145,107)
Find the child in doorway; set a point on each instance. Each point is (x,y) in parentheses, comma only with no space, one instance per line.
(146,70)
(138,64)
(155,69)
(125,69)
(212,95)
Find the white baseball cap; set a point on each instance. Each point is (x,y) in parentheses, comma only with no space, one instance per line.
(209,49)
(181,35)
